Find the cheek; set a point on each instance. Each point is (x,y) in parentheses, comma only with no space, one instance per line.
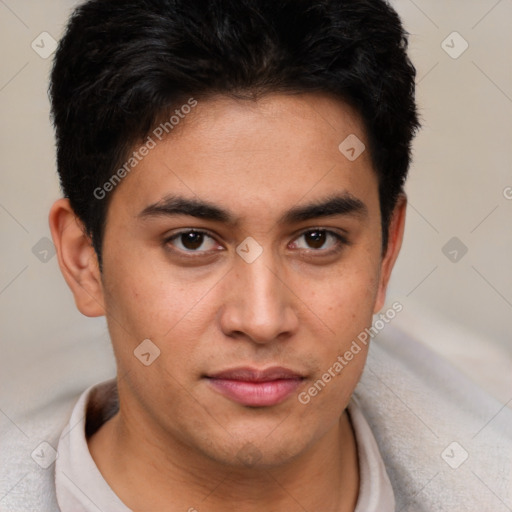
(346,299)
(145,302)
(347,308)
(148,299)
(343,305)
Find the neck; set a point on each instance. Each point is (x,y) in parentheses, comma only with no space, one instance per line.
(324,477)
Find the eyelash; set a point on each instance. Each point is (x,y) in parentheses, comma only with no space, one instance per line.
(341,242)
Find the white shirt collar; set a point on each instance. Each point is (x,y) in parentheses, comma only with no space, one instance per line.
(375,490)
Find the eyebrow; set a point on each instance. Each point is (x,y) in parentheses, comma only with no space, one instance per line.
(338,204)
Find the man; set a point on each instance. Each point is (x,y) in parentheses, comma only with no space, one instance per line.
(233,205)
(216,217)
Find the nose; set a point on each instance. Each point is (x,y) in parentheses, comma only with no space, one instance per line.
(258,303)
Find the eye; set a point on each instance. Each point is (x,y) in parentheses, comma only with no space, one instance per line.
(192,241)
(322,240)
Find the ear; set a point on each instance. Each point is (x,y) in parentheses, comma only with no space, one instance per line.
(77,259)
(395,237)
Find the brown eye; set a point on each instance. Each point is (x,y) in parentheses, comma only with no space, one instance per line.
(192,241)
(316,239)
(320,240)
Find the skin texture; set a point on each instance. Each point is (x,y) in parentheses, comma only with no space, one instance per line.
(176,442)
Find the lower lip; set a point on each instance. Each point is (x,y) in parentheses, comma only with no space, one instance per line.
(256,394)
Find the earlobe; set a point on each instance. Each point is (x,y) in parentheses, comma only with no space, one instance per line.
(77,259)
(395,237)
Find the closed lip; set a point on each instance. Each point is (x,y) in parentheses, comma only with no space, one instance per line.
(254,387)
(249,374)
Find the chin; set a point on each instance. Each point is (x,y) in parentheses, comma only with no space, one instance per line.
(256,452)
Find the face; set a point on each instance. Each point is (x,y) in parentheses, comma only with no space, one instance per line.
(247,248)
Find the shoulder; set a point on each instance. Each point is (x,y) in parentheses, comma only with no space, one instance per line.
(28,448)
(445,442)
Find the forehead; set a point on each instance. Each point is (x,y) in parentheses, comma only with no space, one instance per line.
(273,123)
(255,154)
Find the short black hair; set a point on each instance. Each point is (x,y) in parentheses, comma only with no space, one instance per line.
(125,65)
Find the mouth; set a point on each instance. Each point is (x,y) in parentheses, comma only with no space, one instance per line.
(254,387)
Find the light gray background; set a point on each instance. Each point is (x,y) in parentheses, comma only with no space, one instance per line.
(457,188)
